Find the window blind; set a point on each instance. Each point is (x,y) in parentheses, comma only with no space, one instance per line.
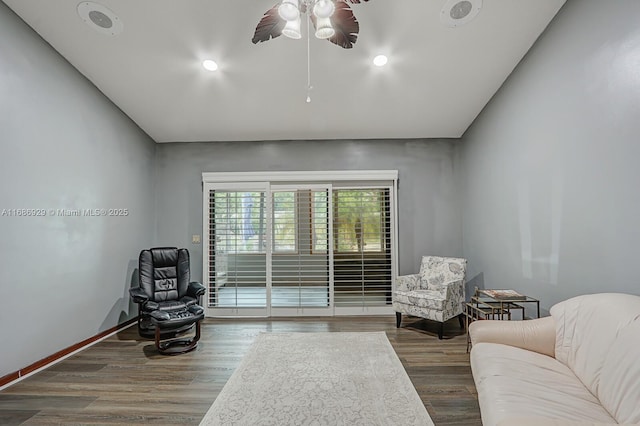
(362,247)
(237,263)
(300,259)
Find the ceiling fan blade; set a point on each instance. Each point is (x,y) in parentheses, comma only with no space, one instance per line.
(270,26)
(354,1)
(345,24)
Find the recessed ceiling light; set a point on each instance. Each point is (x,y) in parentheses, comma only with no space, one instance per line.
(209,65)
(380,61)
(100,18)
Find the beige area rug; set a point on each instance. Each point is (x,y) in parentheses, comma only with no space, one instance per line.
(319,379)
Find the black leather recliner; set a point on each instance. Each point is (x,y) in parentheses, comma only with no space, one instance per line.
(168,302)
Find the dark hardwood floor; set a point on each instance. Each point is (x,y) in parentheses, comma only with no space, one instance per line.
(122,380)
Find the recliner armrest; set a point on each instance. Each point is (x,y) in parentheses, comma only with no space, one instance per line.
(195,289)
(138,295)
(537,335)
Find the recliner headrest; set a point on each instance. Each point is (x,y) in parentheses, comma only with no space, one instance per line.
(164,256)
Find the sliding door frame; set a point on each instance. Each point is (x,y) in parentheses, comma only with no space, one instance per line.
(263,181)
(364,309)
(306,310)
(206,246)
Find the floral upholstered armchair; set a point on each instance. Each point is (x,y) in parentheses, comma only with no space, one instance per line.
(436,293)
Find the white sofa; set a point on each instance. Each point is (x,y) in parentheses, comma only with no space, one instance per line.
(579,366)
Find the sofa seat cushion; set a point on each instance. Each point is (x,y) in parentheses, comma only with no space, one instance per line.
(421,298)
(514,382)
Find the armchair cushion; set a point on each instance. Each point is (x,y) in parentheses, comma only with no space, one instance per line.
(159,316)
(150,306)
(421,298)
(408,282)
(439,272)
(188,300)
(178,317)
(171,305)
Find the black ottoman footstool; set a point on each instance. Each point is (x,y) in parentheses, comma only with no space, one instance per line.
(175,319)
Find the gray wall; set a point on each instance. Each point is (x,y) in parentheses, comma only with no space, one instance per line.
(550,168)
(429,214)
(63,145)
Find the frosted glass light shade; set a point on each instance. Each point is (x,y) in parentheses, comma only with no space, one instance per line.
(209,65)
(380,60)
(324,29)
(324,8)
(288,10)
(292,29)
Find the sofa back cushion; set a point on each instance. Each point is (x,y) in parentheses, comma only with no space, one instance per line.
(597,337)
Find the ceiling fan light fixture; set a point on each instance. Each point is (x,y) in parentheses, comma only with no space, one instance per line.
(289,10)
(324,29)
(324,8)
(292,29)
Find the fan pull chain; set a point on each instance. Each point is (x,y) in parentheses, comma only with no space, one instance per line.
(309,87)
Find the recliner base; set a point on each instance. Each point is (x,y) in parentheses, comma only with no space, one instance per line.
(177,346)
(149,332)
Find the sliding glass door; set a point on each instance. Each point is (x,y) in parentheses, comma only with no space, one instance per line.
(300,256)
(275,248)
(362,248)
(237,251)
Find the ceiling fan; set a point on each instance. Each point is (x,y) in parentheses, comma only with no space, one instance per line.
(332,20)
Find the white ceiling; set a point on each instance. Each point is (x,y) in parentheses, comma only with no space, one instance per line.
(437,80)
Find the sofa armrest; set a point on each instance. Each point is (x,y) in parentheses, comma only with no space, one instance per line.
(538,335)
(408,282)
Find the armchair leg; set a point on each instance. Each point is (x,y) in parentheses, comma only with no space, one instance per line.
(398,319)
(441,330)
(461,321)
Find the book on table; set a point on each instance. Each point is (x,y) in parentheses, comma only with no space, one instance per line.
(502,294)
